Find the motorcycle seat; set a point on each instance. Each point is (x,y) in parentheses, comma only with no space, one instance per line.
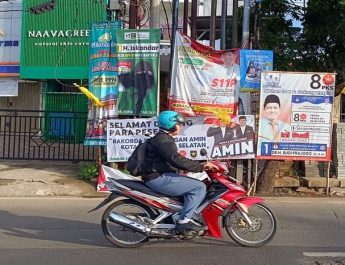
(140,186)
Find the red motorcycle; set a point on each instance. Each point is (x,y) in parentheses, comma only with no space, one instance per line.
(139,213)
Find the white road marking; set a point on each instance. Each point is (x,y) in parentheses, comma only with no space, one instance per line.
(324,254)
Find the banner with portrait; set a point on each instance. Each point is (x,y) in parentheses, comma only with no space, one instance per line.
(103,79)
(296,116)
(252,63)
(222,141)
(206,82)
(138,54)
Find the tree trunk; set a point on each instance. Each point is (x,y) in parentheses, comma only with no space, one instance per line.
(266,177)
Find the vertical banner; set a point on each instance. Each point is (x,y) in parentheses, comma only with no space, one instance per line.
(205,82)
(252,63)
(296,116)
(138,55)
(103,79)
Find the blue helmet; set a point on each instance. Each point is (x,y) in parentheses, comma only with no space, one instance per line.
(168,119)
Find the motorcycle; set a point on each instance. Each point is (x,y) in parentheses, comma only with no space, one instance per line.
(139,214)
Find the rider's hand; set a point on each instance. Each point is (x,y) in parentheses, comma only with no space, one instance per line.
(209,166)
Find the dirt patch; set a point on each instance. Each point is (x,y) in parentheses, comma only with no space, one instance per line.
(6,181)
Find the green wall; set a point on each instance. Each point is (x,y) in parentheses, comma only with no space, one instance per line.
(55,44)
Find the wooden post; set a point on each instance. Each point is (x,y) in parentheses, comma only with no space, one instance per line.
(328,172)
(249,172)
(253,186)
(239,171)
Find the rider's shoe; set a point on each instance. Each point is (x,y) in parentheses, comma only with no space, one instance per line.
(190,226)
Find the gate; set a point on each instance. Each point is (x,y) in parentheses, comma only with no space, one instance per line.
(44,135)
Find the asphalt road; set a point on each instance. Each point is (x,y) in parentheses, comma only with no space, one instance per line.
(51,231)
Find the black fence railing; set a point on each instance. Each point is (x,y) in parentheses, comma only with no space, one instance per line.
(42,135)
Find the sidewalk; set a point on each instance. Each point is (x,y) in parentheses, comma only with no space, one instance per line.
(42,178)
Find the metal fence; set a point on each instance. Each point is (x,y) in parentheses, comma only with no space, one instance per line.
(43,135)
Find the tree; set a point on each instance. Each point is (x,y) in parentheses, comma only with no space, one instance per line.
(324,37)
(318,46)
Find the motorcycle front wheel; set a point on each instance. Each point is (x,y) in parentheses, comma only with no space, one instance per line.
(122,236)
(262,230)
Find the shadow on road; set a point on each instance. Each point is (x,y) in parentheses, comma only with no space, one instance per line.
(77,232)
(52,229)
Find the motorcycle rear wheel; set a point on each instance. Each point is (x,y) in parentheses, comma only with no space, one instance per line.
(263,229)
(122,236)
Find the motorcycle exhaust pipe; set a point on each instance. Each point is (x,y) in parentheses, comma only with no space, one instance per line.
(132,224)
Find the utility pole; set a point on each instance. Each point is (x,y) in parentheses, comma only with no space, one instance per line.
(234,33)
(245,31)
(173,31)
(194,11)
(223,24)
(154,14)
(185,16)
(213,23)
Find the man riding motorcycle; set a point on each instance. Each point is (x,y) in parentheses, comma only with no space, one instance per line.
(162,162)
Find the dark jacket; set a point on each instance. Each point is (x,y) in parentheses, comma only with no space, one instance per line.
(162,157)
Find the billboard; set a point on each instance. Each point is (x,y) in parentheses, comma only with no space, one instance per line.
(296,116)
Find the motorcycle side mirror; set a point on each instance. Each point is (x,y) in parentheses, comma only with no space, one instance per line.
(203,152)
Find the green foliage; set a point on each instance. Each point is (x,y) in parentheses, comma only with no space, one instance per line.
(88,172)
(318,46)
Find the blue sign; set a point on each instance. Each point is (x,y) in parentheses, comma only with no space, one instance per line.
(252,63)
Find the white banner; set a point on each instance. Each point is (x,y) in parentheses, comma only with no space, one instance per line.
(206,82)
(234,140)
(8,87)
(296,116)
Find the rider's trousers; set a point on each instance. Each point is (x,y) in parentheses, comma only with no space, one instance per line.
(193,190)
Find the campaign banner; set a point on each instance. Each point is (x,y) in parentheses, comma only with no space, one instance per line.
(103,79)
(138,53)
(206,82)
(252,63)
(222,141)
(296,116)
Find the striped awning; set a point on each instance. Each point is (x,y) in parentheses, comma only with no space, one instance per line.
(9,69)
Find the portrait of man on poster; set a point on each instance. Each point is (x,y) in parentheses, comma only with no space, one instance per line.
(242,130)
(271,126)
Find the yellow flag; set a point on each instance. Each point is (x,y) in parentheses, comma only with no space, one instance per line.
(90,95)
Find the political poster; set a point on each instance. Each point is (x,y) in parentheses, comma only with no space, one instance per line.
(103,76)
(252,63)
(206,82)
(296,116)
(234,140)
(138,53)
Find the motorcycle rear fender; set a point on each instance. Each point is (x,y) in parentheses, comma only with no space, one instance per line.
(112,196)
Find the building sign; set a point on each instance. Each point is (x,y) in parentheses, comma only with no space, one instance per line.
(55,40)
(231,141)
(296,116)
(10,32)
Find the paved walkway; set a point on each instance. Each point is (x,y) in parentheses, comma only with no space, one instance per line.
(42,178)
